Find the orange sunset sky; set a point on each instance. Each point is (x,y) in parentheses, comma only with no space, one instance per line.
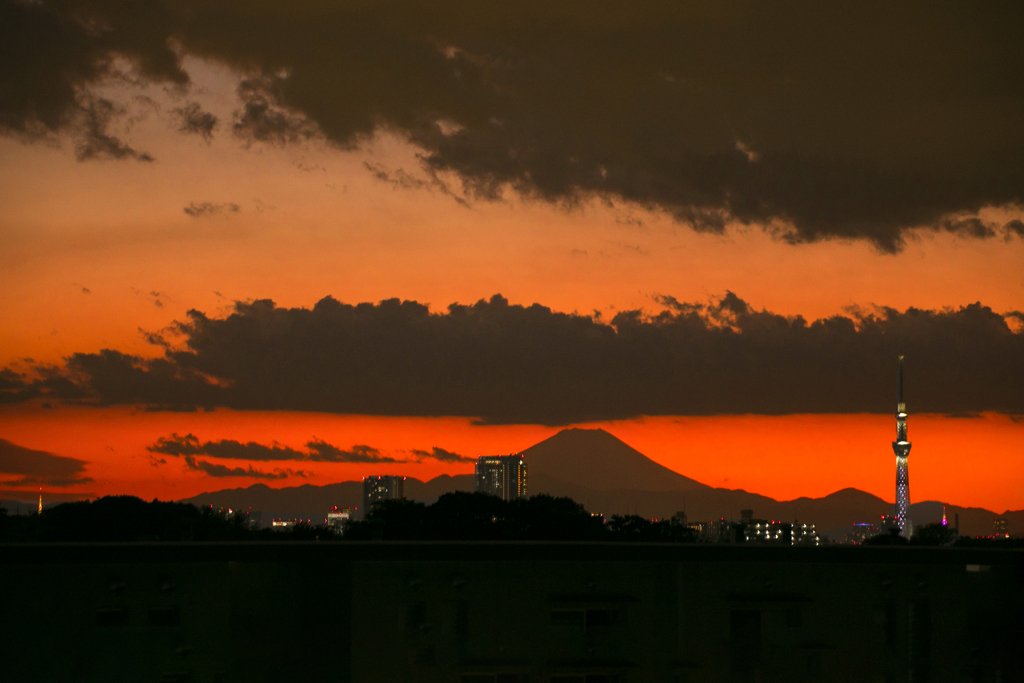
(103,249)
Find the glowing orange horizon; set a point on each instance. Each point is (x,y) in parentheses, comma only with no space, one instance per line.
(781,457)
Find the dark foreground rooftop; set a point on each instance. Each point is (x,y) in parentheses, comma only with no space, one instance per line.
(509,612)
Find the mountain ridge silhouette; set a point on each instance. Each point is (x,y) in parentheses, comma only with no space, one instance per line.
(596,459)
(610,477)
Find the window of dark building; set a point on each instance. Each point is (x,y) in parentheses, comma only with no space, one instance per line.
(598,618)
(426,654)
(175,677)
(168,616)
(457,613)
(115,616)
(744,639)
(794,619)
(814,666)
(888,618)
(920,640)
(568,617)
(584,618)
(415,616)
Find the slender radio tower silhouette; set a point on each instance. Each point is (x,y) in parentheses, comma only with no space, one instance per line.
(902,449)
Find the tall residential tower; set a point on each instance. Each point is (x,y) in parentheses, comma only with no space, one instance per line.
(381,487)
(902,449)
(503,476)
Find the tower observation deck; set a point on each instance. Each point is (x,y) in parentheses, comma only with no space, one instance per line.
(902,449)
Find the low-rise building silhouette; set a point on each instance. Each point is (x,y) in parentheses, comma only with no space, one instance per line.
(774,532)
(999,527)
(338,517)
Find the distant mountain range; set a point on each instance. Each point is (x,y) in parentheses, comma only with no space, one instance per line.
(606,475)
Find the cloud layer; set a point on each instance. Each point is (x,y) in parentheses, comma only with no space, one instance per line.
(814,119)
(506,363)
(229,449)
(441,455)
(190,448)
(209,209)
(39,468)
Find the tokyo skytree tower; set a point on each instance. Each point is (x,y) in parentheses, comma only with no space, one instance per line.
(902,449)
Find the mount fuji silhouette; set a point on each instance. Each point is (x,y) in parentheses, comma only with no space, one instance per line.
(608,476)
(594,459)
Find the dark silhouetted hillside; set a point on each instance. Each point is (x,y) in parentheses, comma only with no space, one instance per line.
(606,475)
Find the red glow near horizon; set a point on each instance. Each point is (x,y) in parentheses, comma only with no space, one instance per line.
(782,457)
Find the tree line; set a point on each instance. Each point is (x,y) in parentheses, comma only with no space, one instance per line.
(455,516)
(458,516)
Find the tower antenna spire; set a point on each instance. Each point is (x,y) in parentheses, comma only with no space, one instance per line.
(901,380)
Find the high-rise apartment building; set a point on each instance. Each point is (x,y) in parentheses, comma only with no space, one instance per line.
(902,449)
(501,475)
(381,487)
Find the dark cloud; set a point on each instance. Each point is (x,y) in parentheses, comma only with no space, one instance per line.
(154,338)
(819,120)
(210,209)
(402,179)
(325,452)
(189,446)
(194,120)
(95,140)
(46,481)
(16,387)
(225,449)
(228,449)
(261,121)
(970,227)
(212,469)
(399,179)
(53,51)
(39,468)
(441,455)
(505,363)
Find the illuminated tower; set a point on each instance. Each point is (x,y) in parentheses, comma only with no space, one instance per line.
(902,449)
(381,487)
(40,501)
(503,476)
